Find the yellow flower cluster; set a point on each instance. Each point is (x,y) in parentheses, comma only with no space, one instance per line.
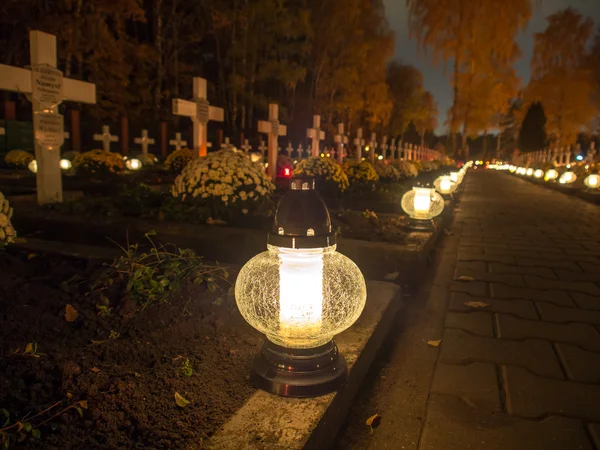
(147,159)
(324,168)
(428,166)
(98,161)
(406,169)
(228,175)
(177,160)
(387,172)
(360,172)
(18,158)
(7,232)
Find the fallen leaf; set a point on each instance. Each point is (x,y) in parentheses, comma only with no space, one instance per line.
(434,343)
(391,276)
(373,422)
(465,278)
(29,348)
(211,221)
(31,256)
(97,342)
(69,395)
(181,402)
(83,404)
(476,304)
(95,369)
(70,313)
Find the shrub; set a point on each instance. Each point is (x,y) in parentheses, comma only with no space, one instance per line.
(329,175)
(387,172)
(418,165)
(177,160)
(406,169)
(428,166)
(147,159)
(18,158)
(225,179)
(98,162)
(360,172)
(7,232)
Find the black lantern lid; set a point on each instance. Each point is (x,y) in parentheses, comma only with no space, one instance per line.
(302,219)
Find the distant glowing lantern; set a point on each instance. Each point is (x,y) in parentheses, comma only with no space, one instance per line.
(255,157)
(300,293)
(422,204)
(539,173)
(444,185)
(567,178)
(512,169)
(124,158)
(529,172)
(287,172)
(65,164)
(380,157)
(592,181)
(133,164)
(551,175)
(33,166)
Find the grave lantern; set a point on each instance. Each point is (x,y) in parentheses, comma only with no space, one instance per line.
(529,172)
(551,175)
(512,169)
(300,293)
(422,204)
(567,178)
(33,166)
(454,177)
(133,164)
(539,173)
(65,164)
(444,185)
(592,181)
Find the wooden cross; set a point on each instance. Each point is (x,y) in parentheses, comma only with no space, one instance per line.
(568,155)
(262,148)
(246,147)
(316,135)
(226,144)
(48,89)
(144,140)
(384,147)
(106,138)
(409,152)
(591,154)
(359,142)
(273,129)
(372,147)
(177,142)
(393,149)
(300,151)
(289,149)
(341,140)
(200,111)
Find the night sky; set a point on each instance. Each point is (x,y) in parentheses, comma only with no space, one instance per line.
(434,78)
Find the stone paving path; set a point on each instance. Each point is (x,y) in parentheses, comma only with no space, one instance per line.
(519,363)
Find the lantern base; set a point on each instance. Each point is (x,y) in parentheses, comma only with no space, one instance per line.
(307,372)
(423,225)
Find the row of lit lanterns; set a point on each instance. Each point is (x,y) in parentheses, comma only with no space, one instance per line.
(65,164)
(301,292)
(591,181)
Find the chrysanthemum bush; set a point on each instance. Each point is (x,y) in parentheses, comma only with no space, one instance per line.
(98,162)
(226,181)
(147,159)
(387,172)
(428,166)
(177,160)
(18,158)
(406,169)
(7,232)
(329,175)
(360,172)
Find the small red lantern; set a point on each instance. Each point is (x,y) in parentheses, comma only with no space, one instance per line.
(286,172)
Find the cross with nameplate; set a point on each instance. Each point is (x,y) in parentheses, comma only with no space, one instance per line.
(273,129)
(144,140)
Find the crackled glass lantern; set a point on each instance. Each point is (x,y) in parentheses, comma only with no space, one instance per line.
(539,173)
(33,166)
(592,181)
(567,178)
(422,204)
(133,164)
(300,293)
(444,185)
(551,175)
(454,177)
(529,172)
(65,164)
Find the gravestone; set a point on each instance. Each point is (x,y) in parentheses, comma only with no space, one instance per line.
(372,147)
(246,147)
(106,138)
(144,141)
(359,142)
(300,151)
(289,149)
(316,135)
(177,142)
(273,129)
(393,149)
(384,147)
(341,140)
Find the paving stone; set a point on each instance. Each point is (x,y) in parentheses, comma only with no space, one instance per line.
(520,308)
(544,272)
(479,266)
(591,268)
(594,429)
(586,301)
(476,288)
(535,355)
(453,424)
(476,382)
(579,364)
(470,249)
(528,395)
(577,286)
(571,275)
(503,291)
(478,323)
(467,256)
(537,262)
(584,335)
(506,278)
(553,313)
(537,247)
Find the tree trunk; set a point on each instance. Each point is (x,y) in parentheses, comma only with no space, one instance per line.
(158,45)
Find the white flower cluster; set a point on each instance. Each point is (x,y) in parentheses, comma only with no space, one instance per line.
(227,174)
(7,232)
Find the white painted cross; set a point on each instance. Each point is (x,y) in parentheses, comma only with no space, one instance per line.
(591,154)
(341,140)
(300,151)
(106,138)
(393,149)
(359,142)
(144,140)
(409,152)
(289,149)
(568,155)
(246,147)
(372,147)
(273,129)
(226,144)
(200,111)
(48,89)
(262,148)
(316,135)
(384,147)
(177,142)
